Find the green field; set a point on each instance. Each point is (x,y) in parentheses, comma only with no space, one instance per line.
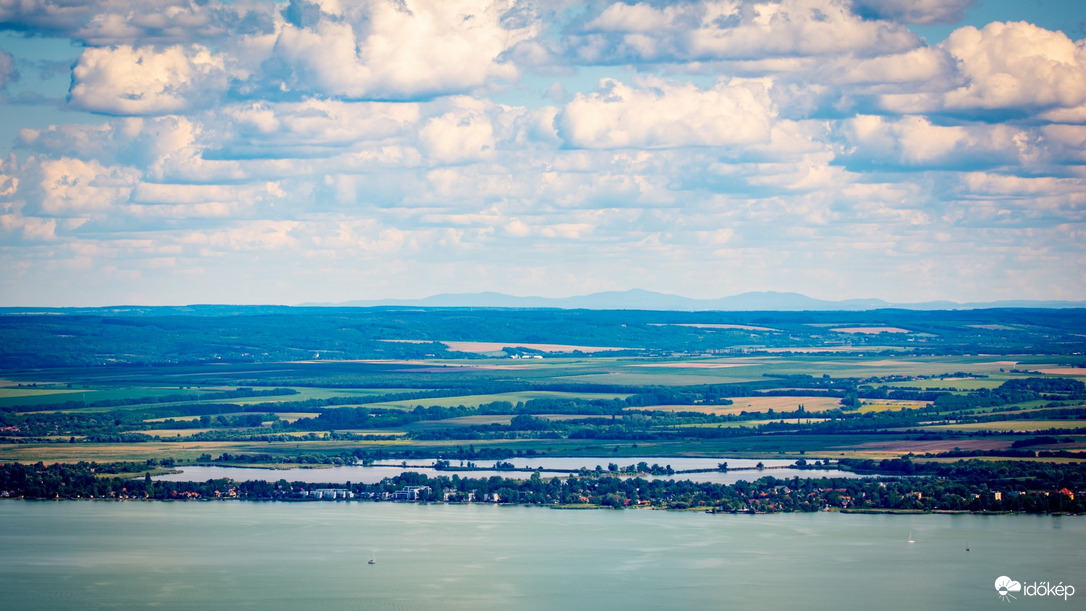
(83,393)
(1024,426)
(954,383)
(30,394)
(45,398)
(477,400)
(749,424)
(308,392)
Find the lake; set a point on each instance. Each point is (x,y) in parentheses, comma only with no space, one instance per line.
(274,555)
(741,469)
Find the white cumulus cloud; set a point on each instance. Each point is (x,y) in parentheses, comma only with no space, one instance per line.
(1006,66)
(313,127)
(664,114)
(915,141)
(73,187)
(702,31)
(1010,65)
(458,135)
(128,80)
(397,50)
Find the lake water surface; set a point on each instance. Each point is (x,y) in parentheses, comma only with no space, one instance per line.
(740,469)
(275,555)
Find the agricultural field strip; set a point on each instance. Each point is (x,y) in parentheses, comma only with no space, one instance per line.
(870,330)
(488,347)
(715,326)
(164,433)
(171,419)
(671,378)
(90,394)
(138,392)
(1074,372)
(755,405)
(496,347)
(816,350)
(886,406)
(740,424)
(963,384)
(1008,425)
(503,419)
(481,420)
(16,392)
(697,365)
(292,416)
(477,400)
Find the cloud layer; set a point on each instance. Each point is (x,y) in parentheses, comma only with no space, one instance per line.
(257,152)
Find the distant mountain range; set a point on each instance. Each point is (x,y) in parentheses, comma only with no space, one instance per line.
(637,299)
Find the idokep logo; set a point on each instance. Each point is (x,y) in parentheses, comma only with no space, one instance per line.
(1007,587)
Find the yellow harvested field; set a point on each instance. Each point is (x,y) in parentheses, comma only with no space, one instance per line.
(1010,426)
(828,349)
(994,364)
(566,416)
(484,347)
(869,363)
(713,326)
(698,409)
(483,420)
(488,347)
(292,416)
(174,418)
(897,447)
(756,404)
(869,330)
(164,433)
(1064,371)
(874,405)
(740,424)
(109,452)
(1047,459)
(785,404)
(407,341)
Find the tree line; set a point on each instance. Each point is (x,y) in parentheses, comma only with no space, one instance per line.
(961,486)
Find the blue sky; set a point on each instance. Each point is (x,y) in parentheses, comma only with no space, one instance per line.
(173,152)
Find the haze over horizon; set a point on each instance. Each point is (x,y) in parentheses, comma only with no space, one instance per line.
(258,152)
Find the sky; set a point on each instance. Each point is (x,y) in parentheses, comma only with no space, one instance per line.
(167,152)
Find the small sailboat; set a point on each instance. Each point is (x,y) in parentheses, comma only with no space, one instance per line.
(967,548)
(911,540)
(373,558)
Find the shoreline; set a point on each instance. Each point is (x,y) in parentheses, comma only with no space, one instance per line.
(551,507)
(962,488)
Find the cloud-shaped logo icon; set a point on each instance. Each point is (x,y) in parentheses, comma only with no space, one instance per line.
(1005,585)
